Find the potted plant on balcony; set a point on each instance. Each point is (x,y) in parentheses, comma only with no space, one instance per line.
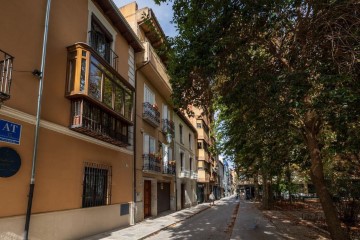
(155,106)
(158,157)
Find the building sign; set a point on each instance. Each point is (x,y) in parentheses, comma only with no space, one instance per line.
(10,162)
(10,132)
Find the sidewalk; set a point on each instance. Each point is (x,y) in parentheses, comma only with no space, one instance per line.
(150,226)
(251,224)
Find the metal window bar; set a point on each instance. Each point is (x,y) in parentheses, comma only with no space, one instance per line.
(6,64)
(96,185)
(103,48)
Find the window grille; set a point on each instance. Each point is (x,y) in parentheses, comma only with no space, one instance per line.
(96,185)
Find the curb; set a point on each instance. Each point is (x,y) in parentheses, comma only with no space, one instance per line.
(172,224)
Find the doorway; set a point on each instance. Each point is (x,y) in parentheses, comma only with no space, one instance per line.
(163,196)
(182,196)
(147,198)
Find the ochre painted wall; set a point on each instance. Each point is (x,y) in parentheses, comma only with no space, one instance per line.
(61,158)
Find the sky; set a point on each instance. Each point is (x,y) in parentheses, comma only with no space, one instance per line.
(163,12)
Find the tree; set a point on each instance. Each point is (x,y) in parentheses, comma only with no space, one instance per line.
(309,50)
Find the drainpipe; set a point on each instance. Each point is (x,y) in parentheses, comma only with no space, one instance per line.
(36,138)
(135,129)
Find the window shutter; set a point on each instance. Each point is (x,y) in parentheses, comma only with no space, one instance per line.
(146,144)
(152,145)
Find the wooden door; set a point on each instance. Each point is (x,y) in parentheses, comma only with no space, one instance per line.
(147,198)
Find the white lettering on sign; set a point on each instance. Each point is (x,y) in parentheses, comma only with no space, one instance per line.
(10,127)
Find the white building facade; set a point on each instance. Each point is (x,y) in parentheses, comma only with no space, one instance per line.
(186,162)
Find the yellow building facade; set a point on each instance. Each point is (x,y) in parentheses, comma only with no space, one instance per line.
(84,180)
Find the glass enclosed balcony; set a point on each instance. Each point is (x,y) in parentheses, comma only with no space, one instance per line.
(6,63)
(102,101)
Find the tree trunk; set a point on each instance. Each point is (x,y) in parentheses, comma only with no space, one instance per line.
(256,186)
(311,130)
(265,197)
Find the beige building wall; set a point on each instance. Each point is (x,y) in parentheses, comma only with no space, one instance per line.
(57,204)
(152,74)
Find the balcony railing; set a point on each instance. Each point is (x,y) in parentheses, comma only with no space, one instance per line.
(169,169)
(151,163)
(151,114)
(194,175)
(6,63)
(184,173)
(103,48)
(93,121)
(168,126)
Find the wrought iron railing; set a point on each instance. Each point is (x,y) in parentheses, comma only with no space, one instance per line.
(151,114)
(184,173)
(92,120)
(6,63)
(151,163)
(168,126)
(98,42)
(194,175)
(169,169)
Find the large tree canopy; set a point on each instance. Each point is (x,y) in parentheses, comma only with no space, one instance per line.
(279,72)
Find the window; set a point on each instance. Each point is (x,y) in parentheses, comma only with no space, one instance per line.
(149,145)
(167,153)
(182,161)
(100,39)
(149,96)
(106,88)
(190,142)
(166,112)
(200,145)
(198,125)
(191,160)
(181,133)
(96,185)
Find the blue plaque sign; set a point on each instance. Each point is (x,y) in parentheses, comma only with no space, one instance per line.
(10,132)
(10,162)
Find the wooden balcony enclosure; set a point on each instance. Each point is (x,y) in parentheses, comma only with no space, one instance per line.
(101,100)
(6,63)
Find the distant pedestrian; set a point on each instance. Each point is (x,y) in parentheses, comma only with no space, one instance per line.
(212,199)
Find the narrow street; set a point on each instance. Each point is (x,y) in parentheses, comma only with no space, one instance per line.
(229,219)
(213,223)
(218,223)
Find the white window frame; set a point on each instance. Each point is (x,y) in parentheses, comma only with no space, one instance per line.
(147,144)
(149,95)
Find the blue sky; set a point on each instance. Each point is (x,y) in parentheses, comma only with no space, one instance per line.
(163,13)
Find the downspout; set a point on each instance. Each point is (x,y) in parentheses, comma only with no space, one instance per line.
(37,127)
(135,129)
